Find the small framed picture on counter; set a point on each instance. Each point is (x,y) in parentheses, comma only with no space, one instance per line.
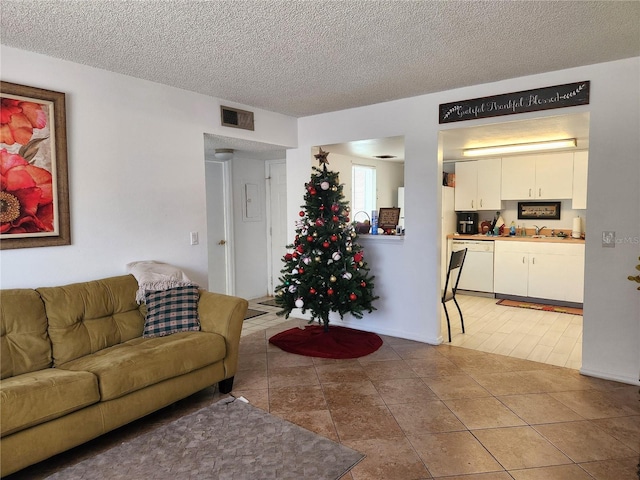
(542,210)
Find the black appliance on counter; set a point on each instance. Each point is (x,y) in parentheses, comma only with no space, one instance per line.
(467,222)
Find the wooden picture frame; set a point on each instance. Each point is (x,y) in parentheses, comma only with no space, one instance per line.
(538,210)
(34,196)
(388,218)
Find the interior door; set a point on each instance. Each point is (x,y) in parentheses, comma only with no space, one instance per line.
(277,228)
(219,241)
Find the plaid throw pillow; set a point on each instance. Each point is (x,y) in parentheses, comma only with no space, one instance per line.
(170,311)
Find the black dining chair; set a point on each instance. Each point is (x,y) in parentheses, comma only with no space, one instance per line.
(456,262)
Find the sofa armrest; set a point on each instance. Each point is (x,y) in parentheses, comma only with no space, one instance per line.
(224,315)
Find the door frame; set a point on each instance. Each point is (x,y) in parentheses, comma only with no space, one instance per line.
(272,273)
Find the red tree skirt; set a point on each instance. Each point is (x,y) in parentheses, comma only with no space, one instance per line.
(338,342)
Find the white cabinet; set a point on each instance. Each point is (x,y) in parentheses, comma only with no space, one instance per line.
(544,270)
(542,176)
(478,185)
(580,167)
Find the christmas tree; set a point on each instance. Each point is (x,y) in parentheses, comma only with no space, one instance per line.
(325,269)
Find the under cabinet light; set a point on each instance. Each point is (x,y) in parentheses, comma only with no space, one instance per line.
(519,147)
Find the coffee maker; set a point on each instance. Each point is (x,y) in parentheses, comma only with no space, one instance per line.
(467,223)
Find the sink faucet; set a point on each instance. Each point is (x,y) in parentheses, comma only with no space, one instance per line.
(539,228)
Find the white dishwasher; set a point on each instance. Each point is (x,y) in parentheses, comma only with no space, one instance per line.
(477,271)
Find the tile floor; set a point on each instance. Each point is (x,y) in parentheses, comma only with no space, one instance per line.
(420,411)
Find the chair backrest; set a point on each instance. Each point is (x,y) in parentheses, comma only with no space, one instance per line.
(457,261)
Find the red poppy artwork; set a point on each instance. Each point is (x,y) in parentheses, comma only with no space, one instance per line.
(34,198)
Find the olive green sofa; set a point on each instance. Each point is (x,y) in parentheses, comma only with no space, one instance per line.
(75,364)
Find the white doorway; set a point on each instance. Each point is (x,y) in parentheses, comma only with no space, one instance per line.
(219,227)
(276,174)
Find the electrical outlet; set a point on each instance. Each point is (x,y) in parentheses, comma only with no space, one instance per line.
(194,238)
(609,239)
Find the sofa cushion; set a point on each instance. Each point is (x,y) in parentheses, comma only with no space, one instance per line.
(141,362)
(24,343)
(171,311)
(87,317)
(36,397)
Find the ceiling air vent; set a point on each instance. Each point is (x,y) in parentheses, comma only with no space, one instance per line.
(233,117)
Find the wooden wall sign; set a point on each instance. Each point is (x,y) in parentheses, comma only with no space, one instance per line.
(559,96)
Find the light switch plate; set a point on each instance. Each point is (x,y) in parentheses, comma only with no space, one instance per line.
(194,238)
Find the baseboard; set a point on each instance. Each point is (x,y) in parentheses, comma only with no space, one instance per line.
(607,376)
(475,293)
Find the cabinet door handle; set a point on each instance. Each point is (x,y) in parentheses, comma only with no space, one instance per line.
(529,193)
(540,192)
(471,203)
(523,260)
(533,260)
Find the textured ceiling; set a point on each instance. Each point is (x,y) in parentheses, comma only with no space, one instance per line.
(307,57)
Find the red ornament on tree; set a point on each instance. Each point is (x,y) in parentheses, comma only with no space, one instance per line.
(353,297)
(330,291)
(312,291)
(301,272)
(334,238)
(335,208)
(358,257)
(326,244)
(309,239)
(288,257)
(301,213)
(300,248)
(362,283)
(312,191)
(319,222)
(335,219)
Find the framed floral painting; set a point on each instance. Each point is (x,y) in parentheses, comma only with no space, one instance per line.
(34,192)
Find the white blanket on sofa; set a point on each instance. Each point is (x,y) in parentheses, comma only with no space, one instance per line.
(152,275)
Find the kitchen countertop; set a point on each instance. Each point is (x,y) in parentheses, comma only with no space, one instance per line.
(548,238)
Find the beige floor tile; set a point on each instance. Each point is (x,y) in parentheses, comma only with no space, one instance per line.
(520,447)
(486,412)
(389,459)
(425,417)
(435,367)
(456,386)
(481,476)
(352,372)
(318,421)
(508,383)
(454,453)
(297,399)
(388,370)
(584,442)
(290,376)
(404,390)
(365,422)
(592,404)
(619,469)
(624,429)
(539,408)
(560,472)
(347,395)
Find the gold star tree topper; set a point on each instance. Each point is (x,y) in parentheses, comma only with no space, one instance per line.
(321,156)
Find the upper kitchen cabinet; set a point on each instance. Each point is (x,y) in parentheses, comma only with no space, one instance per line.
(580,166)
(545,177)
(478,185)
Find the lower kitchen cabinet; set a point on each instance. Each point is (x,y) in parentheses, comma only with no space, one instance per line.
(551,271)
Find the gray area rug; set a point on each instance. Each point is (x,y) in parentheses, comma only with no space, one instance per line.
(229,440)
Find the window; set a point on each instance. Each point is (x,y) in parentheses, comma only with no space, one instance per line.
(363,190)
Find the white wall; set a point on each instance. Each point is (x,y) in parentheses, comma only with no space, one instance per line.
(612,303)
(136,171)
